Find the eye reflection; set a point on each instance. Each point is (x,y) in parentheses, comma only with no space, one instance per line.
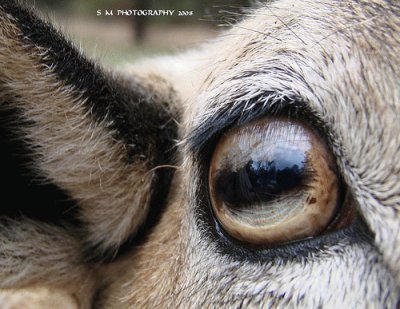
(273,181)
(261,180)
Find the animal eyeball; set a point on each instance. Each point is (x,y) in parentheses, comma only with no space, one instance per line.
(273,181)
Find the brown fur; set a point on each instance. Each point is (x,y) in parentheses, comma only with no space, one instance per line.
(339,57)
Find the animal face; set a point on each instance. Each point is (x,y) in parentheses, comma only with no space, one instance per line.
(256,171)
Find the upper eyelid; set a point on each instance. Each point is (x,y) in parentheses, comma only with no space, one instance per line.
(239,114)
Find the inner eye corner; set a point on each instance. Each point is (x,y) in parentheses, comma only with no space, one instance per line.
(275,181)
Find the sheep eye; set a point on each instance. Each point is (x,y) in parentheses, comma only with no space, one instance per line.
(273,181)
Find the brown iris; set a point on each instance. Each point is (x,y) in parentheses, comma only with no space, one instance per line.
(273,181)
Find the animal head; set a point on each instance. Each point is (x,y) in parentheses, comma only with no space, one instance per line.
(258,170)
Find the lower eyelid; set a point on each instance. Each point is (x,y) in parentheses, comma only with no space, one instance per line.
(357,233)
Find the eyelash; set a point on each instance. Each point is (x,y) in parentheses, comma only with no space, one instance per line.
(208,133)
(355,233)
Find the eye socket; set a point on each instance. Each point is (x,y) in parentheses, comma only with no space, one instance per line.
(273,181)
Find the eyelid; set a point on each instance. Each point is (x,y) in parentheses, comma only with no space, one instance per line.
(204,134)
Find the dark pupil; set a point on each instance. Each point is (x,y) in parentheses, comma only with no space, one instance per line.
(260,180)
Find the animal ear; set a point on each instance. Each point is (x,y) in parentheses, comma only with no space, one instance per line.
(77,140)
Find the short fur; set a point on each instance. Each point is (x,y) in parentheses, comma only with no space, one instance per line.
(335,63)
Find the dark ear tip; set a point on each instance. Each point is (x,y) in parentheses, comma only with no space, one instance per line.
(133,117)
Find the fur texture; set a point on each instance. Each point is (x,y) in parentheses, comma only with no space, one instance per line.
(335,62)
